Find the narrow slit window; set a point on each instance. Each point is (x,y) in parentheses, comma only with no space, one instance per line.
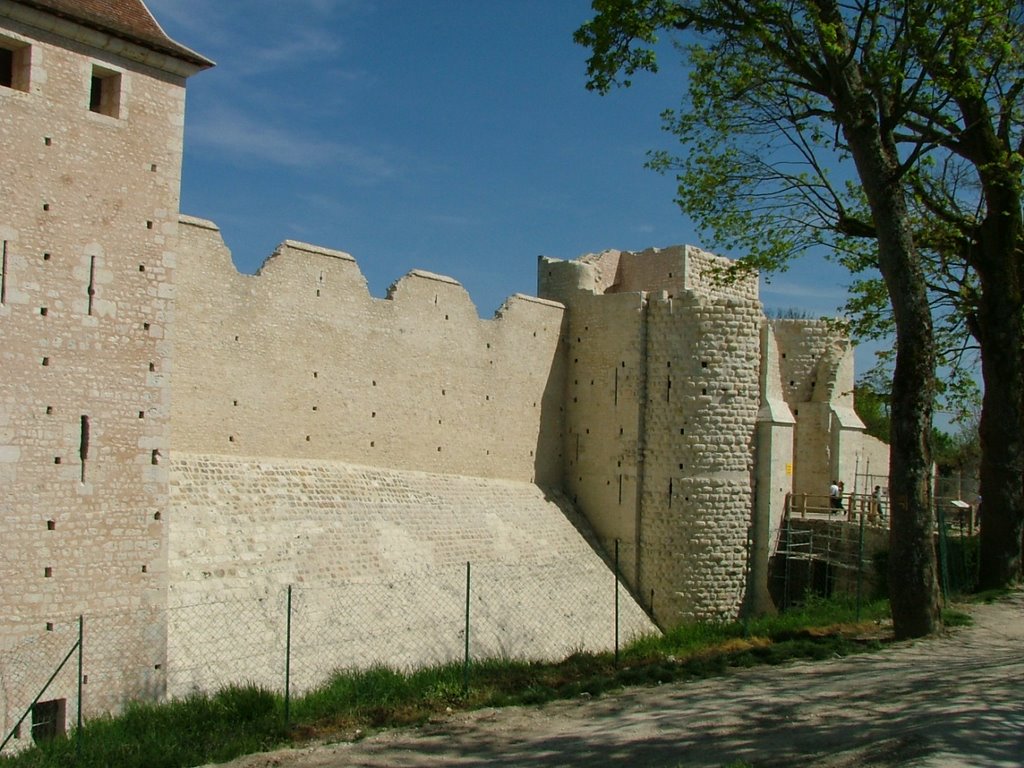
(3,274)
(91,290)
(83,443)
(6,67)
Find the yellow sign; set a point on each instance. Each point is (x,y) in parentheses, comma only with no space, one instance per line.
(789,469)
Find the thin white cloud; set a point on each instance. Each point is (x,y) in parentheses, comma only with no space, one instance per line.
(245,137)
(295,48)
(301,29)
(193,22)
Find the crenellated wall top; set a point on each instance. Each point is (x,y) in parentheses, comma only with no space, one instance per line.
(328,273)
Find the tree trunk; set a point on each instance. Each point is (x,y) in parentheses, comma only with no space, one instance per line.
(913,576)
(999,329)
(913,571)
(1002,461)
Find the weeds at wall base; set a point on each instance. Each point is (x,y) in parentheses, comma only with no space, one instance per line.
(245,719)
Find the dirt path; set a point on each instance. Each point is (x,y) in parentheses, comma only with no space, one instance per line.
(953,701)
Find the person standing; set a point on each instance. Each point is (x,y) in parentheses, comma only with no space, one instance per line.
(877,505)
(835,497)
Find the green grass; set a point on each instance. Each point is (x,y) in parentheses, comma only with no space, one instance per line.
(184,732)
(241,720)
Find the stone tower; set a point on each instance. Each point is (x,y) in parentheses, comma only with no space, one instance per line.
(661,409)
(92,98)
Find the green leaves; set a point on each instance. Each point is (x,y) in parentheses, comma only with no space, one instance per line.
(620,36)
(762,166)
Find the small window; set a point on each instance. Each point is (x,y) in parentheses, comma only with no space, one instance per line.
(6,67)
(48,719)
(105,92)
(14,64)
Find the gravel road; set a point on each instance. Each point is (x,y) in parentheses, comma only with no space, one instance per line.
(955,700)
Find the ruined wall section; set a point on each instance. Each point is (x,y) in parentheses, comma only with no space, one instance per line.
(672,271)
(299,361)
(700,422)
(817,365)
(802,346)
(808,353)
(88,224)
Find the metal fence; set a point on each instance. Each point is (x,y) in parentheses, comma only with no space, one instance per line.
(294,638)
(826,551)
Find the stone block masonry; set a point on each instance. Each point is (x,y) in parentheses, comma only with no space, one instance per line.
(661,410)
(377,559)
(299,361)
(359,450)
(88,228)
(701,415)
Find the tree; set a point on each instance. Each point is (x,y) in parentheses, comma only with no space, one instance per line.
(950,452)
(871,401)
(779,95)
(967,133)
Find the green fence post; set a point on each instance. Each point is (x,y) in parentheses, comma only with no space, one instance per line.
(860,564)
(288,662)
(616,602)
(78,729)
(789,564)
(465,658)
(943,552)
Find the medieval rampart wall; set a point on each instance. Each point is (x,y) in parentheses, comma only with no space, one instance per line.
(358,449)
(299,361)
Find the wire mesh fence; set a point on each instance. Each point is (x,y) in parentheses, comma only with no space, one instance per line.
(292,638)
(825,551)
(508,611)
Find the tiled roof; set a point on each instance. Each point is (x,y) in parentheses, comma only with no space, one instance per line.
(127,19)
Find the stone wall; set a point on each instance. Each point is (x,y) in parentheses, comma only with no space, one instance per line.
(359,450)
(377,558)
(88,224)
(661,412)
(299,361)
(605,391)
(702,404)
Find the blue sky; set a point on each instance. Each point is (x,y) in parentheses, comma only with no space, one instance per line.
(448,135)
